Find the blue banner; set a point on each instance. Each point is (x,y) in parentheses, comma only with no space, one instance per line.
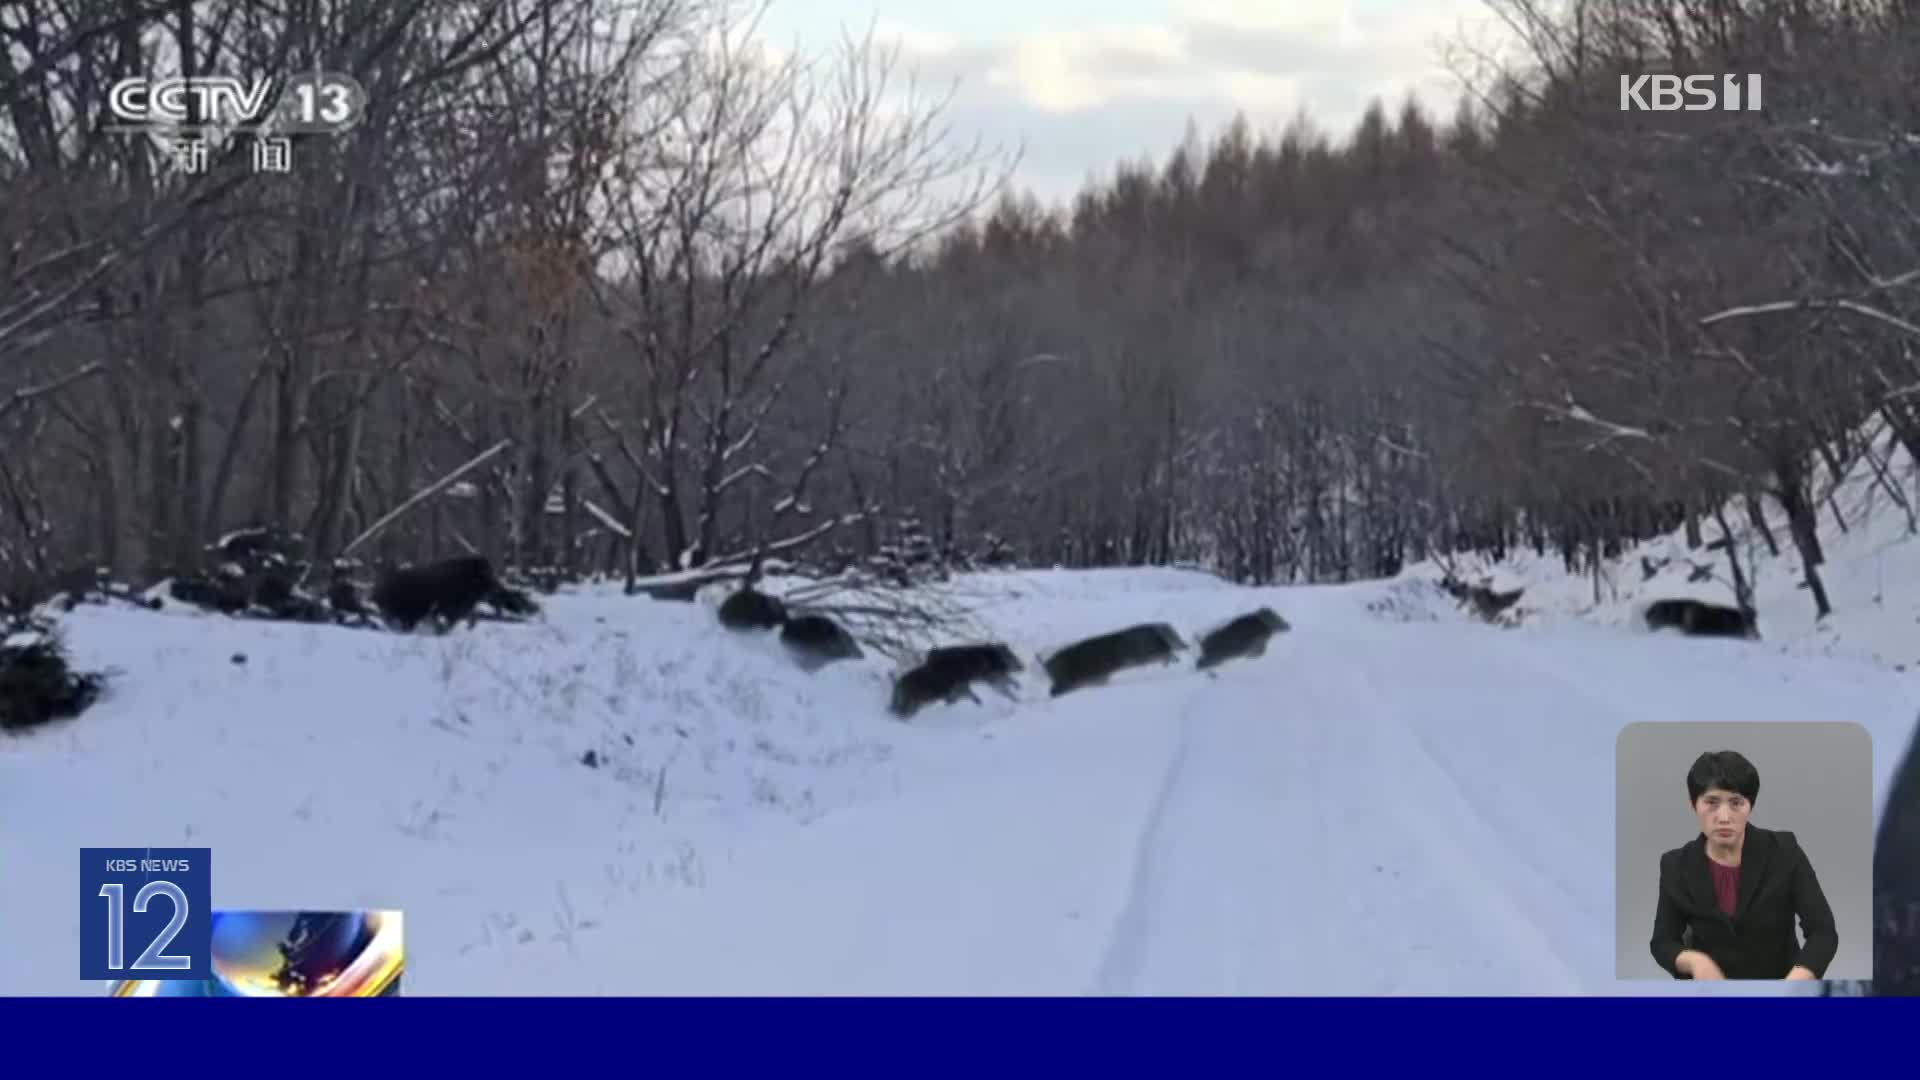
(1067,1037)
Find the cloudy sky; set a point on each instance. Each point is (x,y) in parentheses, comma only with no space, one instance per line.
(1083,84)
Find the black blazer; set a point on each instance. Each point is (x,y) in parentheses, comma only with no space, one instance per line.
(1777,883)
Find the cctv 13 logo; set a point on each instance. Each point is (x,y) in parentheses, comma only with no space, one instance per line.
(146,913)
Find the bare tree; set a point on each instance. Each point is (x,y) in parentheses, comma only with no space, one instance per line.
(755,174)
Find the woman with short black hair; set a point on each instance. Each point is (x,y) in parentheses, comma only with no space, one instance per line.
(1730,897)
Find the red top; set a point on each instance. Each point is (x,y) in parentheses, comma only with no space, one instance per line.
(1726,885)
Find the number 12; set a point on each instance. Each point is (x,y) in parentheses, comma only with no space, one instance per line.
(152,959)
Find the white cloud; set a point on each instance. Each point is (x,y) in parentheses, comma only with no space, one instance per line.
(913,40)
(1065,71)
(1253,53)
(1085,96)
(1325,18)
(1260,91)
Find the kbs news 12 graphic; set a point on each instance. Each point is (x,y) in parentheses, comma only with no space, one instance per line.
(196,120)
(148,926)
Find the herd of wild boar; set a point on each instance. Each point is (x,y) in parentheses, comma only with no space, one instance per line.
(948,673)
(446,592)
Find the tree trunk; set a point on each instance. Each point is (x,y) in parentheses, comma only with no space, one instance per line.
(1804,528)
(569,495)
(294,368)
(1905,424)
(223,474)
(163,488)
(186,354)
(397,545)
(343,465)
(1757,517)
(673,530)
(533,530)
(1742,590)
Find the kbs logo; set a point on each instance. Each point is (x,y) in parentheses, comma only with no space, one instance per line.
(1693,93)
(147,912)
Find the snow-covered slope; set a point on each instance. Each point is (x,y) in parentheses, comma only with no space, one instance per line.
(1357,812)
(1870,538)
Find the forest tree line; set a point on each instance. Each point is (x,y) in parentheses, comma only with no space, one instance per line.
(622,294)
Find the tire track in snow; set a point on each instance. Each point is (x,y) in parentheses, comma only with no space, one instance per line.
(1463,855)
(1517,677)
(1304,842)
(1236,835)
(1310,835)
(1127,941)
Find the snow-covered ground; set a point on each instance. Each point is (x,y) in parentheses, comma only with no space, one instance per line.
(1395,799)
(1359,812)
(1872,573)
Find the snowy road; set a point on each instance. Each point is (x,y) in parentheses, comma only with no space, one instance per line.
(1319,810)
(1368,810)
(1236,841)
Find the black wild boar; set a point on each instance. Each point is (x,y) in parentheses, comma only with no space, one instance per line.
(1489,604)
(818,640)
(948,673)
(1242,638)
(1096,659)
(445,591)
(1698,618)
(1668,614)
(751,609)
(984,661)
(920,686)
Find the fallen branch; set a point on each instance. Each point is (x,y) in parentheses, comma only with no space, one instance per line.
(425,493)
(1780,306)
(760,554)
(1578,413)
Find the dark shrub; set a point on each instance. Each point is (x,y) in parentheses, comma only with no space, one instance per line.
(37,686)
